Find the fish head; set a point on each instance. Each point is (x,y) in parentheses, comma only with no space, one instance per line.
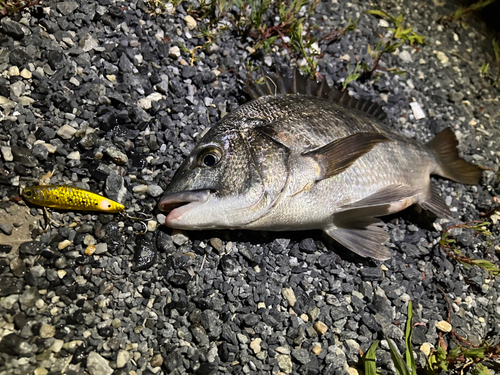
(222,183)
(29,194)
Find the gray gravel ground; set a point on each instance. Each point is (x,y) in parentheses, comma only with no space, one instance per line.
(99,92)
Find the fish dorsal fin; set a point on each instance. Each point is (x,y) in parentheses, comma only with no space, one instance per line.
(299,84)
(337,156)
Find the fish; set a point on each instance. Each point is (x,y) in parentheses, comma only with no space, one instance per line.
(66,197)
(302,155)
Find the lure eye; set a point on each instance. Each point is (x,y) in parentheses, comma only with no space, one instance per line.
(28,193)
(210,157)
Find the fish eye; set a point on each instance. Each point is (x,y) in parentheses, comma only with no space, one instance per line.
(28,193)
(210,157)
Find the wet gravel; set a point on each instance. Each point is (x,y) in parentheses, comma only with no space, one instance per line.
(100,93)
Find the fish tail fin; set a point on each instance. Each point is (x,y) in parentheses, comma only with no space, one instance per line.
(450,165)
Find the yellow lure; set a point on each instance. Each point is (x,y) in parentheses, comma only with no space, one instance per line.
(66,197)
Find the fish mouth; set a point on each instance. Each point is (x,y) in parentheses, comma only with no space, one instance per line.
(177,204)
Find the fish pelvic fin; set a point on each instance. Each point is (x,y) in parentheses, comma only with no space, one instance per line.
(365,239)
(450,165)
(340,154)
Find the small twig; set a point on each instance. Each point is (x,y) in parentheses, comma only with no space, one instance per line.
(447,301)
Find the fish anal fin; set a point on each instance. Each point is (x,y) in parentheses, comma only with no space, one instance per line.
(340,154)
(450,165)
(436,205)
(366,242)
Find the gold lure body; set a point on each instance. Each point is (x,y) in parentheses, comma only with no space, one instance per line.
(66,197)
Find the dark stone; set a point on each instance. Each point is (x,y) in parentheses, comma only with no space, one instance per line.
(24,156)
(56,59)
(30,248)
(370,322)
(6,228)
(20,320)
(229,266)
(412,274)
(208,368)
(307,245)
(113,239)
(381,305)
(40,152)
(19,58)
(371,273)
(180,278)
(410,250)
(210,321)
(174,360)
(125,64)
(10,344)
(106,331)
(12,28)
(251,319)
(67,7)
(418,337)
(10,285)
(188,71)
(50,26)
(145,252)
(199,334)
(248,255)
(301,356)
(5,249)
(4,265)
(229,334)
(78,317)
(339,312)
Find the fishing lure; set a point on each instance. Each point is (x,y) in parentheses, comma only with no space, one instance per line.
(66,197)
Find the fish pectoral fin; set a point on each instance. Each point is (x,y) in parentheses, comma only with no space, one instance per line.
(390,196)
(364,241)
(436,205)
(340,154)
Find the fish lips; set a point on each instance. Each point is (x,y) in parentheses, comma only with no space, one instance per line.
(177,204)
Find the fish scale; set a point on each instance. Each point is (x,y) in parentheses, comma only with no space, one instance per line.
(66,197)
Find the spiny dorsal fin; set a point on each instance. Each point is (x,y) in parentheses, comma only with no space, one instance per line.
(299,84)
(337,156)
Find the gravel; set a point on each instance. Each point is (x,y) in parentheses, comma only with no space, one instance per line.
(100,95)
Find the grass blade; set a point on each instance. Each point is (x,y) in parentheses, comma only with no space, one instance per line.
(369,360)
(401,367)
(410,360)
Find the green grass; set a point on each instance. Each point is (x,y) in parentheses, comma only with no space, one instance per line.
(447,244)
(8,7)
(464,11)
(400,35)
(268,23)
(440,360)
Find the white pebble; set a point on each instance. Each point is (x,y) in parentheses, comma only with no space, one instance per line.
(417,111)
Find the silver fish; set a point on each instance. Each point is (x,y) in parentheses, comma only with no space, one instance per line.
(323,160)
